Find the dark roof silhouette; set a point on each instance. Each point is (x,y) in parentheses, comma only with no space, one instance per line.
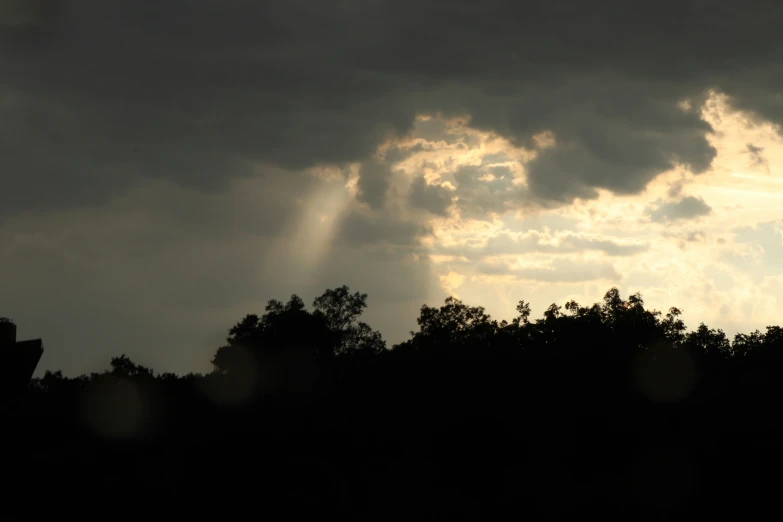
(18,359)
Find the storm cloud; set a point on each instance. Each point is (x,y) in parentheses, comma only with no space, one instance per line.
(94,93)
(163,160)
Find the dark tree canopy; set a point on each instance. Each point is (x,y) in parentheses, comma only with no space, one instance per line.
(611,409)
(341,311)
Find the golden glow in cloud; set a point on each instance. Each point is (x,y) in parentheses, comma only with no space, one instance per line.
(676,242)
(451,282)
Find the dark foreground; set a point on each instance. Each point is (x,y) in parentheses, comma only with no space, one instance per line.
(392,445)
(607,412)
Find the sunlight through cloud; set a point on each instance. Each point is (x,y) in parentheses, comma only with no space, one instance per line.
(679,225)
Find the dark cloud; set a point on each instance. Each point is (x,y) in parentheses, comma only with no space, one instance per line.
(432,198)
(689,207)
(398,153)
(675,189)
(95,93)
(19,13)
(610,134)
(369,228)
(129,131)
(480,195)
(756,156)
(196,92)
(373,183)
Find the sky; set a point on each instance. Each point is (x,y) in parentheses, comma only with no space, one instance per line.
(168,167)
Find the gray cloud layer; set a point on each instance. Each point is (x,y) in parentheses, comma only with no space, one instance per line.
(129,128)
(162,272)
(689,207)
(195,91)
(433,199)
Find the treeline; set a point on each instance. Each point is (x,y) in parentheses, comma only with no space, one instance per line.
(608,410)
(613,330)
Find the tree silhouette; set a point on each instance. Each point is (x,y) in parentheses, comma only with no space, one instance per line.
(586,411)
(341,311)
(122,366)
